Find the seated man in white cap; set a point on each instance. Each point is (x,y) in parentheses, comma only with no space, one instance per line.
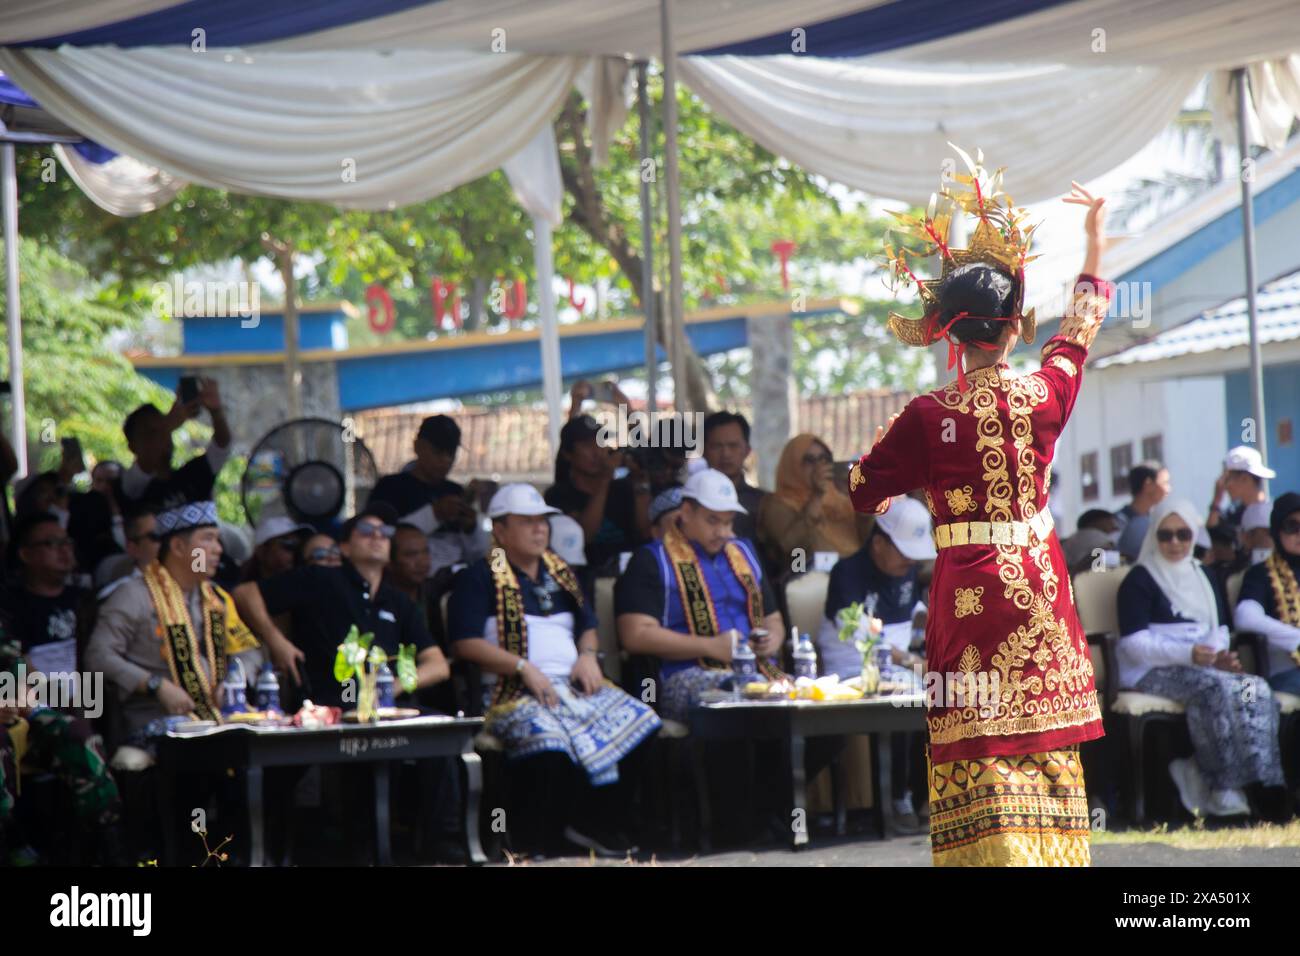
(882,577)
(1243,481)
(686,597)
(520,615)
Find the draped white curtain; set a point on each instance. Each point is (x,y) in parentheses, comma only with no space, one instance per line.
(885,129)
(365,130)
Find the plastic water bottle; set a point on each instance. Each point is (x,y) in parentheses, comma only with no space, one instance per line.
(268,690)
(384,686)
(744,665)
(805,658)
(234,689)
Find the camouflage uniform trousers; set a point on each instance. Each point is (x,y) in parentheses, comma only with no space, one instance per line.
(69,748)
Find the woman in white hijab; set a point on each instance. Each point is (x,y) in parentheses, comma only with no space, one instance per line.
(1174,643)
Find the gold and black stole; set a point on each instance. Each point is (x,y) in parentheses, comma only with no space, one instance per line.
(512,628)
(697,602)
(1286,592)
(181,648)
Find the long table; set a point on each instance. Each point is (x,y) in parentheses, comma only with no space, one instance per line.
(793,721)
(251,749)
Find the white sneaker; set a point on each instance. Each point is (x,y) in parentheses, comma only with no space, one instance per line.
(1192,791)
(1228,803)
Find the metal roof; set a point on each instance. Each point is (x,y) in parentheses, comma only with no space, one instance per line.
(1223,328)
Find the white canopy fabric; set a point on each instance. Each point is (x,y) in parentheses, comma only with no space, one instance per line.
(885,129)
(366,130)
(122,186)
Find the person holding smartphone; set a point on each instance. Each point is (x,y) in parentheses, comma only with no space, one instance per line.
(151,480)
(423,496)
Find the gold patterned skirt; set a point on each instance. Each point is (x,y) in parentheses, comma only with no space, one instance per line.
(1023,810)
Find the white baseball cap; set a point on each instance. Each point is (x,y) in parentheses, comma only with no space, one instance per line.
(1245,458)
(568,541)
(713,490)
(277,526)
(908,525)
(519,499)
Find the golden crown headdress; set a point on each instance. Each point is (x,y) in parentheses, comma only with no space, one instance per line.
(1001,240)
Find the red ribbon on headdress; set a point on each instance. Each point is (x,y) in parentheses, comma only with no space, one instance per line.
(957,350)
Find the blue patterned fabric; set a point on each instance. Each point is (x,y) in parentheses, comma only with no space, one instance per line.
(730,601)
(193,514)
(595,732)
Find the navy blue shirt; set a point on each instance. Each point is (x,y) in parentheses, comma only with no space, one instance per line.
(856,578)
(1142,602)
(474,601)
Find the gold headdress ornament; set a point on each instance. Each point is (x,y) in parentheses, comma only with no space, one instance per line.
(1000,240)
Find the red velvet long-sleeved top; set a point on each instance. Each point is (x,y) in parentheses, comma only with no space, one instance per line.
(1008,669)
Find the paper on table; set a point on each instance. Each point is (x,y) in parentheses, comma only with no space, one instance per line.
(56,657)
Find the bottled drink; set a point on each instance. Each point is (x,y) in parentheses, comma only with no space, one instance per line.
(744,665)
(234,689)
(268,690)
(384,686)
(805,658)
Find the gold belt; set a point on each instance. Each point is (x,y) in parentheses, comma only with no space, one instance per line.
(994,532)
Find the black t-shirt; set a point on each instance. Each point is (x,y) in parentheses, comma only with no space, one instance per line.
(618,530)
(325,603)
(192,481)
(36,619)
(406,492)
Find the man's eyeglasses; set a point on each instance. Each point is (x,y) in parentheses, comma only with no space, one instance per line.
(323,554)
(1291,527)
(52,543)
(289,544)
(1164,535)
(370,530)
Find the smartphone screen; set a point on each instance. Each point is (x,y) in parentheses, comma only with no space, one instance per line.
(189,388)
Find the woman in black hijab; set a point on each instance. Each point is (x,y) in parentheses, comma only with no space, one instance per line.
(1270,596)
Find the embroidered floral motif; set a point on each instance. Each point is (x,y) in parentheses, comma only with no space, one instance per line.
(929,503)
(968,601)
(855,476)
(960,500)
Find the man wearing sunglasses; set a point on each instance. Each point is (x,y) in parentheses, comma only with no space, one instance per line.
(324,602)
(42,606)
(141,532)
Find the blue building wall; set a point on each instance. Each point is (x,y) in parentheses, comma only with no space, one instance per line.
(1281,402)
(216,335)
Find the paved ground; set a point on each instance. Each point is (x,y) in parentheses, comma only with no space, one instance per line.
(915,851)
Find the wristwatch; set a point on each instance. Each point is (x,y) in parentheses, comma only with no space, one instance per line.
(152,686)
(519,666)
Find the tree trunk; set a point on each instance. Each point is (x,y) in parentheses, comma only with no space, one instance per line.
(589,214)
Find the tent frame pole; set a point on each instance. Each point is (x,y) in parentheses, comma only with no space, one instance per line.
(13,310)
(1248,245)
(676,325)
(549,339)
(648,309)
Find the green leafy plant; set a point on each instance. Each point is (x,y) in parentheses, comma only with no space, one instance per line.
(861,628)
(359,658)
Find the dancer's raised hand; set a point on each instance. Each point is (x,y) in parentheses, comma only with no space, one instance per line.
(1093,225)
